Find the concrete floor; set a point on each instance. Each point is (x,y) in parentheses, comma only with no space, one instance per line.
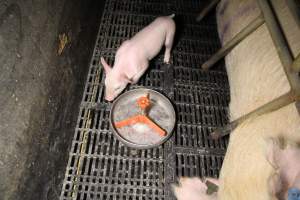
(40,90)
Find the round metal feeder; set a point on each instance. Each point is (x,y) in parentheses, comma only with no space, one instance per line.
(142,118)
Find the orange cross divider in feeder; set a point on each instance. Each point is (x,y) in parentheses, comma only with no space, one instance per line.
(143,103)
(141,119)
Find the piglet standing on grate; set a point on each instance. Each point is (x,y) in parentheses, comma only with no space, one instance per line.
(256,166)
(133,56)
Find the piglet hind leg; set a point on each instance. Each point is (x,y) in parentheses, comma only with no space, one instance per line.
(212,180)
(192,189)
(168,45)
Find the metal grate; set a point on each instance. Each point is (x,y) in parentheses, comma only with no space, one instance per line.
(99,166)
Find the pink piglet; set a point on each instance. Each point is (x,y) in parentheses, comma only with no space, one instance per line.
(133,56)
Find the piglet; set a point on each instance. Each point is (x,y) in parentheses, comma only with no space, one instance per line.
(194,189)
(133,56)
(284,157)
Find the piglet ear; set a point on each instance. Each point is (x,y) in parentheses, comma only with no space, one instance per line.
(125,78)
(106,66)
(129,80)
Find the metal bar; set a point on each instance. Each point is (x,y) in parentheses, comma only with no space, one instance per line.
(257,22)
(280,43)
(290,67)
(296,64)
(266,108)
(223,131)
(207,9)
(295,14)
(294,10)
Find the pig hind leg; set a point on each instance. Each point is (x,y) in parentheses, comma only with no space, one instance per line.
(168,45)
(286,162)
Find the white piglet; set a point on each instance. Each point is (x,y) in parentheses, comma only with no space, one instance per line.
(133,56)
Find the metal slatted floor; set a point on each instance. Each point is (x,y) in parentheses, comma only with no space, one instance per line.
(99,166)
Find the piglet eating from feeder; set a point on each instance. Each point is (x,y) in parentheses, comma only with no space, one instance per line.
(133,56)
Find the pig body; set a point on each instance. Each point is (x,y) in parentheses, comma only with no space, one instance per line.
(246,172)
(255,77)
(133,56)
